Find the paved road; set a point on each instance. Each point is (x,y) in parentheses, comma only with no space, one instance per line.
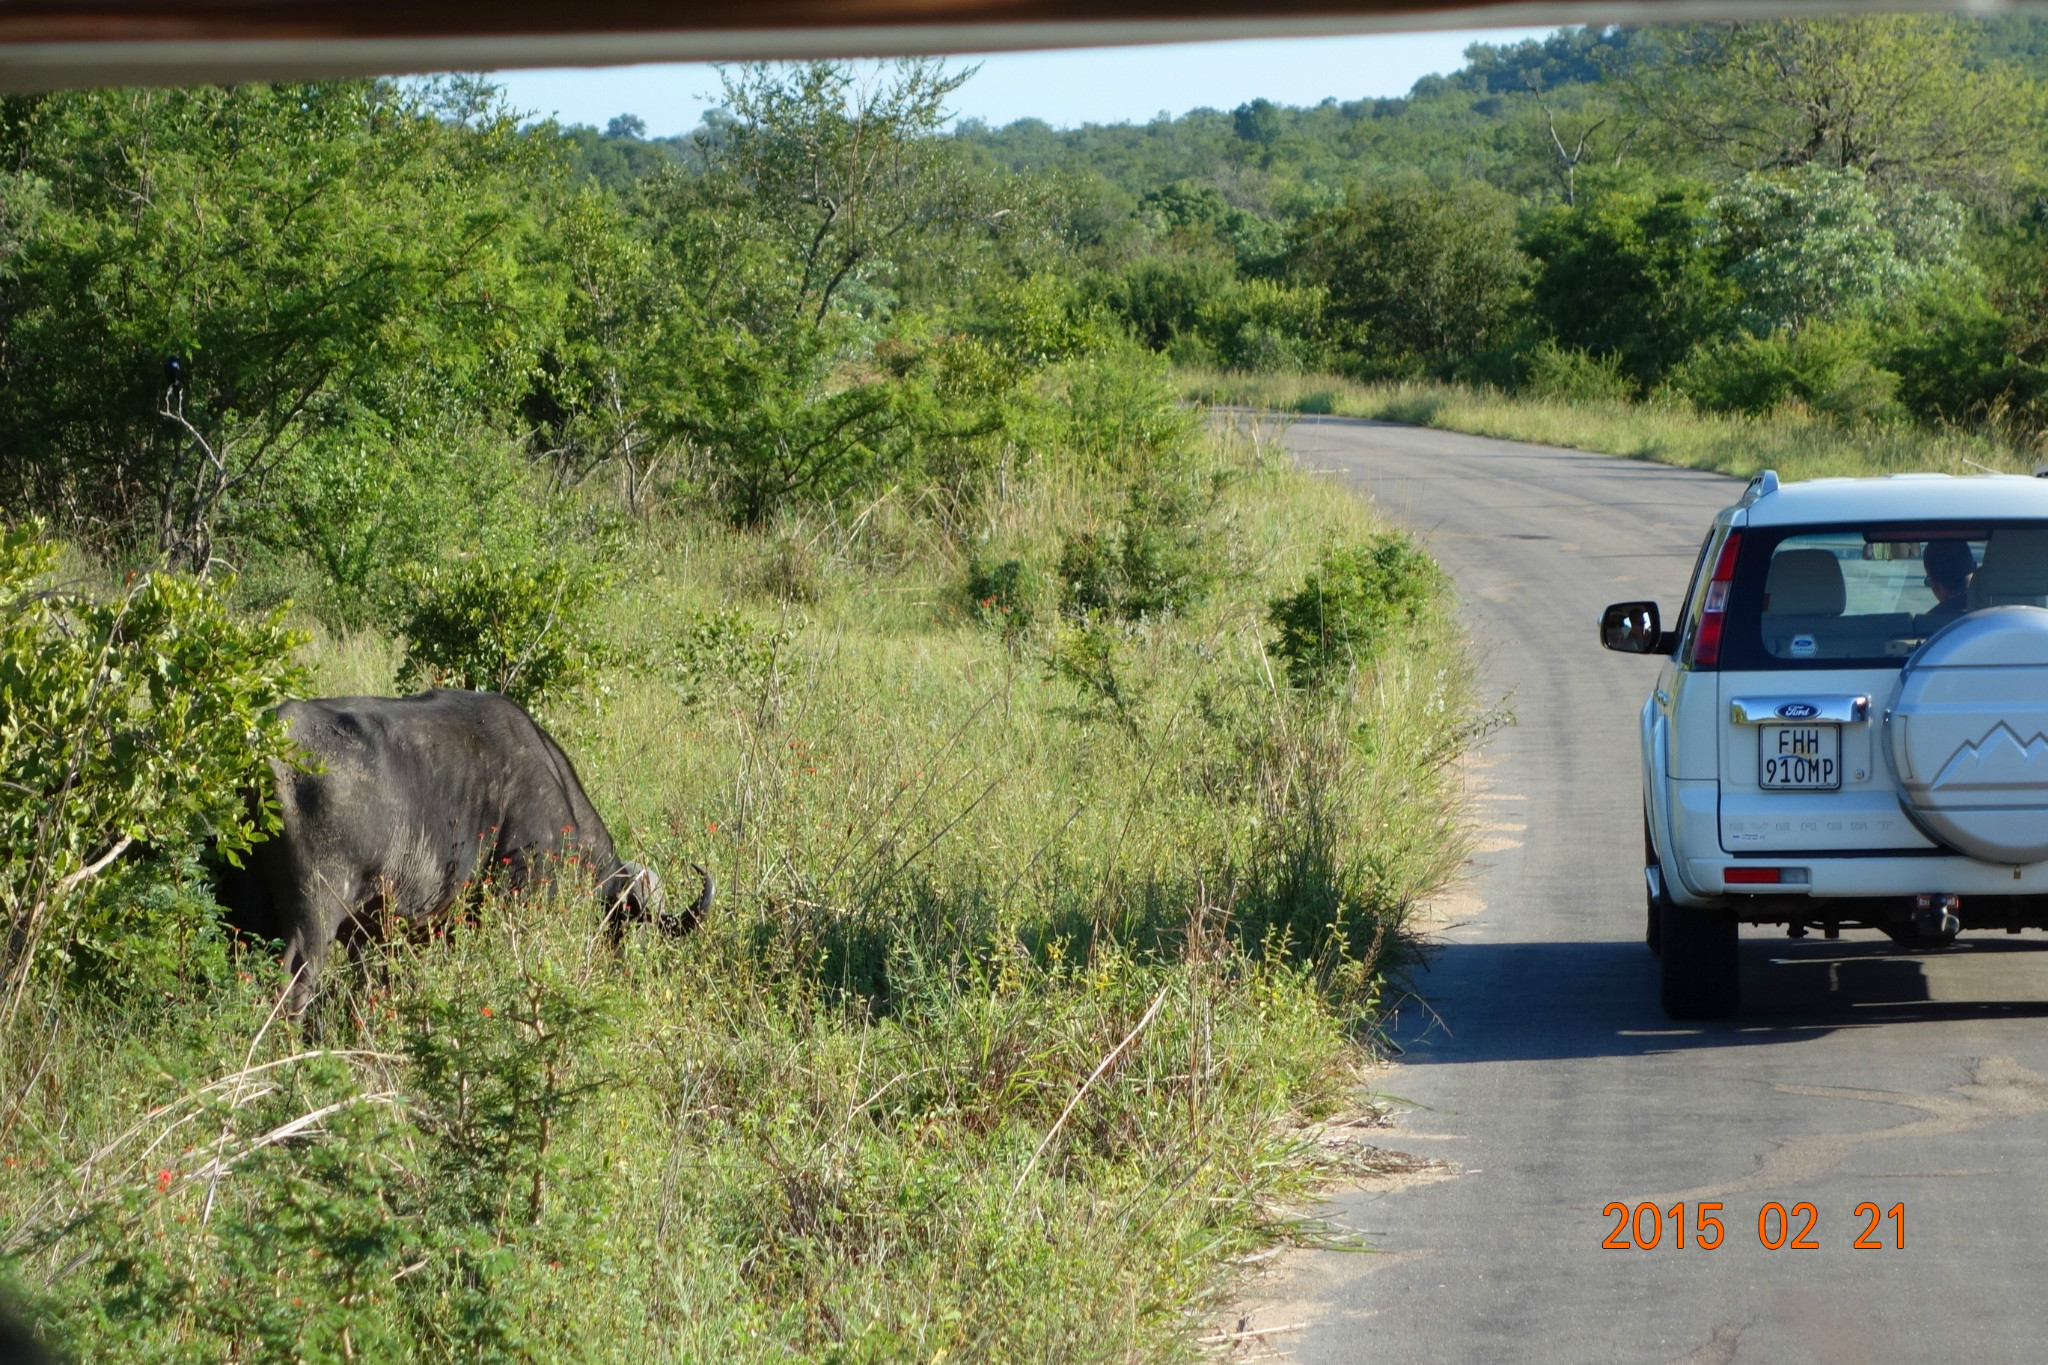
(1545,1070)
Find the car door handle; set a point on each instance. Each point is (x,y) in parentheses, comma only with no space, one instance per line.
(1663,699)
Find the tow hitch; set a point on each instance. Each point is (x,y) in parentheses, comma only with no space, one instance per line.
(1935,916)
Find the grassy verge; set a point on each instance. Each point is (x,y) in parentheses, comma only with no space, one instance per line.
(1032,954)
(1799,445)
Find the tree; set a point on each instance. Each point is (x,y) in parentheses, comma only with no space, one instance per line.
(842,176)
(1421,277)
(606,370)
(324,261)
(1632,273)
(820,191)
(1897,97)
(1816,243)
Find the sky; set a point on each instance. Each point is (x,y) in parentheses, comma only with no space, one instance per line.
(1086,85)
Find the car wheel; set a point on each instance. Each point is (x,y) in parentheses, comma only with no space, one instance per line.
(1702,971)
(1655,901)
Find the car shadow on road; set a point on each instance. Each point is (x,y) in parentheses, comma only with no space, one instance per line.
(1490,1002)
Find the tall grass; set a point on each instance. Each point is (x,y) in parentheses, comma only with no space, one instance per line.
(996,1046)
(1797,443)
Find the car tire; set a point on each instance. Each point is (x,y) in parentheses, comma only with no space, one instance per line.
(1653,919)
(1702,969)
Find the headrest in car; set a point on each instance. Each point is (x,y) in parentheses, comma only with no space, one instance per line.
(1805,583)
(2014,572)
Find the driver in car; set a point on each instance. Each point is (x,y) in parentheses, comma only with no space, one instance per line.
(1949,564)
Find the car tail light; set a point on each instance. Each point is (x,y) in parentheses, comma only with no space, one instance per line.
(1706,639)
(1753,876)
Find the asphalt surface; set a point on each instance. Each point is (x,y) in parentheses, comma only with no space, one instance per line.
(1540,1065)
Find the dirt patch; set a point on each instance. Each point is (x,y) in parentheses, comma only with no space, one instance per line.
(1287,1288)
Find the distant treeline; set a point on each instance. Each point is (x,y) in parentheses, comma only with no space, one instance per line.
(392,306)
(1846,214)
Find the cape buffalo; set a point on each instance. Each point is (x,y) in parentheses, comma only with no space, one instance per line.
(414,799)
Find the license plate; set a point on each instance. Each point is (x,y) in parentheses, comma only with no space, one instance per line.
(1799,758)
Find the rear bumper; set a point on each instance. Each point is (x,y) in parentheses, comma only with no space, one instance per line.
(1871,877)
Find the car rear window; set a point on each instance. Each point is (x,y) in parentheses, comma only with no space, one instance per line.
(1847,596)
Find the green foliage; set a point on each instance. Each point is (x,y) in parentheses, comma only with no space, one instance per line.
(1899,97)
(1161,298)
(136,716)
(388,1203)
(498,1084)
(1345,607)
(821,192)
(1113,411)
(522,628)
(1266,325)
(361,517)
(1576,377)
(1420,277)
(721,654)
(1959,360)
(1156,559)
(1632,275)
(1830,367)
(1092,657)
(330,262)
(1003,594)
(1814,244)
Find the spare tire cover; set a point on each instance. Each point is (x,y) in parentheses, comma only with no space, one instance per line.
(1967,735)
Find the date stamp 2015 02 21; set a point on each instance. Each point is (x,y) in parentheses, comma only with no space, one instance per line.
(1646,1227)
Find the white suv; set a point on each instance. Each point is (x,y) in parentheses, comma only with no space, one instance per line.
(1851,727)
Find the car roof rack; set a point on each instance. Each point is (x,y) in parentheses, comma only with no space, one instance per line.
(1760,487)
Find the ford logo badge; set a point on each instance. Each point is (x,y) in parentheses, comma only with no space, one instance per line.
(1798,710)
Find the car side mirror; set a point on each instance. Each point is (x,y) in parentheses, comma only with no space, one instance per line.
(1635,628)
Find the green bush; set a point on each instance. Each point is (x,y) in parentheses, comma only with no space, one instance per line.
(1157,559)
(359,514)
(1830,367)
(1576,377)
(1960,359)
(1266,325)
(141,716)
(720,654)
(399,1203)
(1115,410)
(1090,657)
(1629,273)
(522,629)
(1347,604)
(1417,277)
(1004,594)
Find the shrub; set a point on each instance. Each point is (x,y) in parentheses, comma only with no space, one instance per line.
(1630,274)
(1003,594)
(1576,377)
(1090,657)
(1830,367)
(517,628)
(1154,561)
(1117,410)
(1164,297)
(1815,243)
(1347,604)
(1422,278)
(721,653)
(1959,359)
(138,718)
(359,513)
(1264,325)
